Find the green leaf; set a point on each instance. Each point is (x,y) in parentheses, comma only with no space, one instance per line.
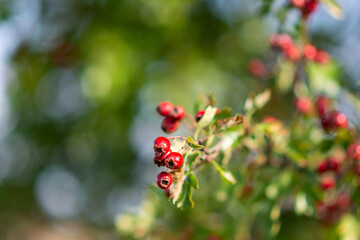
(258,101)
(200,103)
(225,174)
(193,181)
(324,78)
(224,113)
(286,76)
(262,98)
(205,120)
(191,158)
(334,8)
(193,144)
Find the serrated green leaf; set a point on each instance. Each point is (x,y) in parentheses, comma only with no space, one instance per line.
(334,8)
(205,120)
(225,174)
(193,144)
(193,181)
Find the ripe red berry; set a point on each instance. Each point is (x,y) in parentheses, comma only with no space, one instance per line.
(304,105)
(282,41)
(353,151)
(293,53)
(169,125)
(339,120)
(174,160)
(161,146)
(160,160)
(309,7)
(322,105)
(298,3)
(322,57)
(257,68)
(177,113)
(326,122)
(329,164)
(327,182)
(310,52)
(164,108)
(164,180)
(199,115)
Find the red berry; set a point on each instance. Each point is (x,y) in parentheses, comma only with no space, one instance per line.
(167,192)
(177,113)
(329,164)
(322,105)
(160,160)
(161,146)
(326,122)
(257,68)
(353,151)
(343,201)
(169,125)
(164,180)
(339,120)
(164,108)
(293,53)
(282,41)
(327,182)
(304,105)
(322,57)
(298,3)
(309,7)
(174,160)
(199,115)
(310,52)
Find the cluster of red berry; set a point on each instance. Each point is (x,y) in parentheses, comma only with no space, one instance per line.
(331,211)
(330,119)
(305,6)
(165,157)
(173,115)
(286,45)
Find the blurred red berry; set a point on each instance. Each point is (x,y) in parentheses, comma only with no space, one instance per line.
(326,122)
(327,182)
(298,3)
(164,180)
(304,105)
(293,53)
(339,120)
(199,115)
(282,41)
(322,57)
(174,160)
(322,105)
(329,164)
(309,7)
(177,113)
(164,108)
(167,192)
(353,151)
(257,68)
(310,52)
(161,146)
(169,125)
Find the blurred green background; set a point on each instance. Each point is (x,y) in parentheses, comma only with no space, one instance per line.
(80,80)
